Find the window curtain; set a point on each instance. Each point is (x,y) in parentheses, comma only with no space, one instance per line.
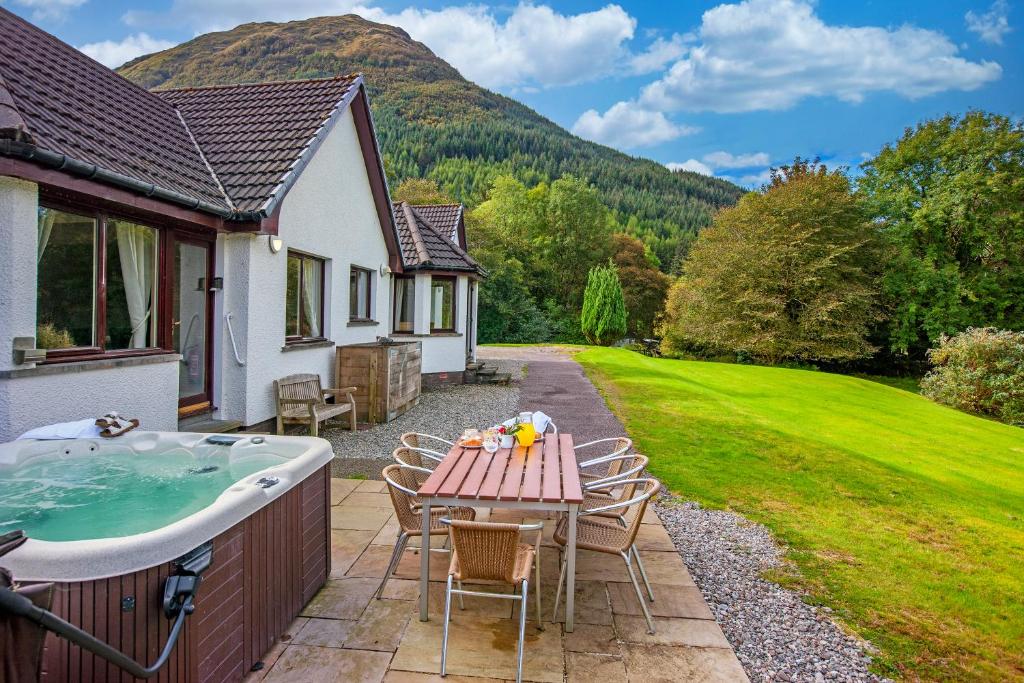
(399,305)
(136,246)
(311,291)
(46,219)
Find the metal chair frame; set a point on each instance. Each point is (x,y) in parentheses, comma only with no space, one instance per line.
(627,556)
(428,452)
(605,458)
(522,598)
(403,537)
(613,479)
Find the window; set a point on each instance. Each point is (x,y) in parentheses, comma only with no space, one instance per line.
(359,294)
(405,302)
(304,309)
(96,284)
(442,304)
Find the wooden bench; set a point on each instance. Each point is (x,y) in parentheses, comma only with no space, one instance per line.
(301,400)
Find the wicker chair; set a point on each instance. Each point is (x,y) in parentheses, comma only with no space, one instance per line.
(422,444)
(410,519)
(416,466)
(614,465)
(598,494)
(485,552)
(606,536)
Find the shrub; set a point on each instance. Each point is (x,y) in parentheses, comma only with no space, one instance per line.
(603,319)
(979,371)
(49,337)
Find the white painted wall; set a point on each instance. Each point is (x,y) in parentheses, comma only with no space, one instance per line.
(147,392)
(329,213)
(28,400)
(442,352)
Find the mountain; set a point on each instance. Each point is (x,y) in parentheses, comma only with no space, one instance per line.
(434,123)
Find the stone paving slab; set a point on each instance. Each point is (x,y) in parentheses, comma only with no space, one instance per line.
(345,634)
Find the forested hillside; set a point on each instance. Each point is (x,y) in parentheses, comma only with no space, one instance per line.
(434,123)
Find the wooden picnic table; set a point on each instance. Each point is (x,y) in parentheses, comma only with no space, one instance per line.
(544,476)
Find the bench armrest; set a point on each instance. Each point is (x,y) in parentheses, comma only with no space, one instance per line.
(338,392)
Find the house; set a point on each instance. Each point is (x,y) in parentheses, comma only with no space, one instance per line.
(171,253)
(435,297)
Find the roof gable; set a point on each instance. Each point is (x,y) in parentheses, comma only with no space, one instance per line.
(258,137)
(425,246)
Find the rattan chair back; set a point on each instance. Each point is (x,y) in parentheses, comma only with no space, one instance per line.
(401,499)
(486,551)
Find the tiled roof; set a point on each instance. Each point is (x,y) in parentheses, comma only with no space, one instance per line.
(444,217)
(71,105)
(423,245)
(255,135)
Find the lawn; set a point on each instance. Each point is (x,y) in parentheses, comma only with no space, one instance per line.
(904,516)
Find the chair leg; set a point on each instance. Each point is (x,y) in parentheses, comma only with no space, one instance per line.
(352,410)
(643,572)
(314,427)
(536,589)
(561,582)
(280,426)
(522,631)
(447,616)
(462,603)
(639,594)
(396,556)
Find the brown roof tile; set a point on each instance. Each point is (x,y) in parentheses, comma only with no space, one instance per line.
(426,246)
(253,135)
(444,217)
(74,106)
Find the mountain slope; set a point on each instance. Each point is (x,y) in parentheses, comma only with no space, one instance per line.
(434,123)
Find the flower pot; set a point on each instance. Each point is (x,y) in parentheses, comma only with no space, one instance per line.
(507,441)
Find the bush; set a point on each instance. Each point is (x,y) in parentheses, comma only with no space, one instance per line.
(979,371)
(49,337)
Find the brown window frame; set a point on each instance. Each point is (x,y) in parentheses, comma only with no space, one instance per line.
(353,270)
(294,339)
(411,277)
(455,307)
(98,351)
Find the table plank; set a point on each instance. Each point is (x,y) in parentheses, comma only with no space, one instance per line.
(495,475)
(572,491)
(475,478)
(453,484)
(440,473)
(532,473)
(552,477)
(514,475)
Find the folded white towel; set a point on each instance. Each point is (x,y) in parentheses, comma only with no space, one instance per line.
(540,421)
(79,429)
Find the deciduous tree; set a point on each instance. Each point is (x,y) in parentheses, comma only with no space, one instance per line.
(786,274)
(643,286)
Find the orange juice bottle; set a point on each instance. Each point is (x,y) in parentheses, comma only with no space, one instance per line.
(526,434)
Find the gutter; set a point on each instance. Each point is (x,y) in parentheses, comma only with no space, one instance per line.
(62,162)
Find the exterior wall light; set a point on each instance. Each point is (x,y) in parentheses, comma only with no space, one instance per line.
(275,243)
(385,269)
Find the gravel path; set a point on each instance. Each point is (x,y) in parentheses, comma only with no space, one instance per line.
(777,636)
(443,412)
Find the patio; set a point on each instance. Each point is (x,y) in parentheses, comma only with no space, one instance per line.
(344,634)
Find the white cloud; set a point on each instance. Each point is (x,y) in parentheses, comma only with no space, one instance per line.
(769,54)
(690,165)
(992,25)
(533,46)
(626,126)
(727,160)
(49,9)
(114,53)
(658,54)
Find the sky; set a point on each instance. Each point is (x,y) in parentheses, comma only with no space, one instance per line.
(726,88)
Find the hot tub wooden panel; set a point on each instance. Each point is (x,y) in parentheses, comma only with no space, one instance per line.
(265,569)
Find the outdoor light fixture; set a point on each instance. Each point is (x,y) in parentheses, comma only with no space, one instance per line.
(275,243)
(385,269)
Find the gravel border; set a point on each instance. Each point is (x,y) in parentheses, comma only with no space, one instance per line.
(777,636)
(445,412)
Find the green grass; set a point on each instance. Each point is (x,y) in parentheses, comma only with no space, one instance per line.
(904,516)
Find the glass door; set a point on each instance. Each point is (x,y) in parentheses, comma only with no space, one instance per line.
(190,308)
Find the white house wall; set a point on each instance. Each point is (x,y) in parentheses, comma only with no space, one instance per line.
(30,396)
(330,213)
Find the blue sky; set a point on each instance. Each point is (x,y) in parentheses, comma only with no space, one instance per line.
(724,88)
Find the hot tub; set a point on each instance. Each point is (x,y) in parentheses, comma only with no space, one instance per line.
(106,518)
